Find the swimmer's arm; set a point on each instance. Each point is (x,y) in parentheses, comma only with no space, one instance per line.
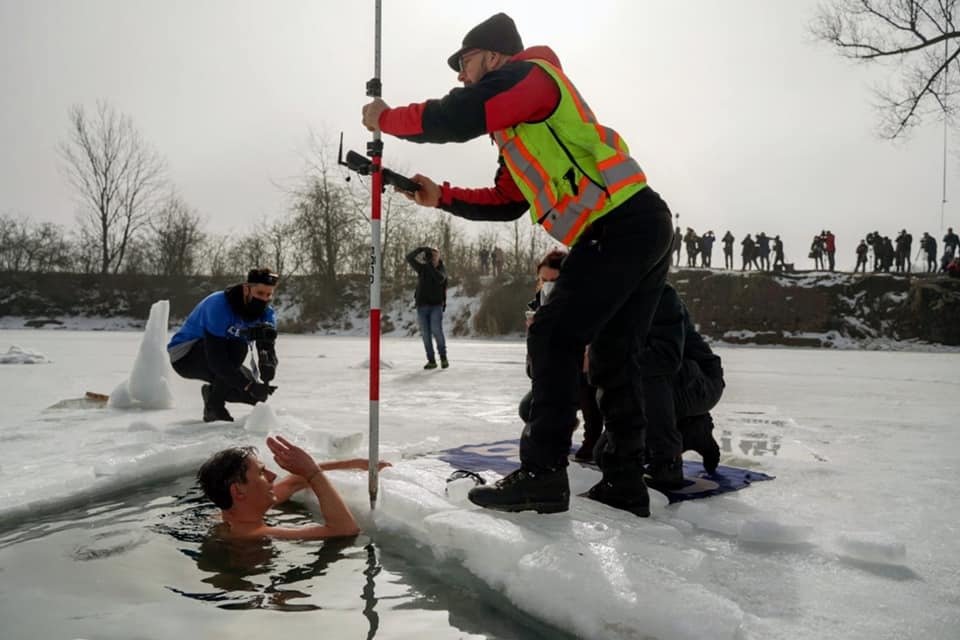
(315,532)
(338,521)
(285,488)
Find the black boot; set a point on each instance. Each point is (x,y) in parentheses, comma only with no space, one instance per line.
(526,490)
(697,432)
(623,488)
(213,411)
(665,473)
(585,452)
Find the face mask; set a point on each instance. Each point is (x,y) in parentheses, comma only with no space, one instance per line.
(255,308)
(545,289)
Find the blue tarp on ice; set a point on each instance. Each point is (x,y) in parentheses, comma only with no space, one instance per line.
(504,456)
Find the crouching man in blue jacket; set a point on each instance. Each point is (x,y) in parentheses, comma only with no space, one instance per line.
(213,344)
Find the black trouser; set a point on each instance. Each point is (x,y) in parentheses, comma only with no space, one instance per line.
(592,418)
(671,400)
(697,389)
(196,365)
(606,295)
(587,398)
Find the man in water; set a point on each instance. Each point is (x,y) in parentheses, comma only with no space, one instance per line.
(216,337)
(238,482)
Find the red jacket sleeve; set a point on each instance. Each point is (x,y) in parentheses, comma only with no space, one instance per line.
(518,92)
(502,202)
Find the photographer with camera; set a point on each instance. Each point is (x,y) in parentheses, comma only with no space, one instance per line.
(213,343)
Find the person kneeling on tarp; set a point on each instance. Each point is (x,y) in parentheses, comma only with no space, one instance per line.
(238,482)
(682,382)
(214,341)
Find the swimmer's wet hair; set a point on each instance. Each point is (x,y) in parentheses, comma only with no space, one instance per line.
(221,470)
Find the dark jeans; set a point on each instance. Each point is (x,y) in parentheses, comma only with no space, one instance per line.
(198,364)
(430,319)
(606,295)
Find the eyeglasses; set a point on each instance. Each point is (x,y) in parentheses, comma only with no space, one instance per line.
(466,56)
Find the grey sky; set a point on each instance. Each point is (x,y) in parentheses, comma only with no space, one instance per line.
(739,119)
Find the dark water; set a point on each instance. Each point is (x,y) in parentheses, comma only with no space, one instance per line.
(150,565)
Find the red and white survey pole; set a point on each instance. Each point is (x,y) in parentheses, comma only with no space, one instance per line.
(375,151)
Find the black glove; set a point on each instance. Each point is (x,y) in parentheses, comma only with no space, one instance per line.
(268,370)
(267,362)
(262,332)
(259,391)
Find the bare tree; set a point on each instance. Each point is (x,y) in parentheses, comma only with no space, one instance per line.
(279,243)
(918,37)
(215,251)
(117,177)
(326,217)
(246,252)
(86,253)
(176,238)
(27,246)
(49,249)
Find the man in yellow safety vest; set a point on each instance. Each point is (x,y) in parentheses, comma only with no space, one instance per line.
(580,183)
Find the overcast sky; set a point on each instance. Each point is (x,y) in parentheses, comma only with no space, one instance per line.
(739,118)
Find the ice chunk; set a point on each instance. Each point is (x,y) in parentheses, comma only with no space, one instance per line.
(773,532)
(148,386)
(262,420)
(17,355)
(875,547)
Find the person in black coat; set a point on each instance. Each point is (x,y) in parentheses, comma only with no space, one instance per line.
(682,382)
(431,300)
(728,241)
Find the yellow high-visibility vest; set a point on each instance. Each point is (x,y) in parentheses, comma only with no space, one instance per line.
(570,168)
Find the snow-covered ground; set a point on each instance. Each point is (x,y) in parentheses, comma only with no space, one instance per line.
(856,538)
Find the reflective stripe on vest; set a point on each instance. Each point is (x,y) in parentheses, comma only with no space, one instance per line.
(566,194)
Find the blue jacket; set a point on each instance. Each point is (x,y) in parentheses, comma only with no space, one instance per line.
(215,316)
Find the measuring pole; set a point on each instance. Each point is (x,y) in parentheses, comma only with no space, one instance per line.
(943,199)
(375,151)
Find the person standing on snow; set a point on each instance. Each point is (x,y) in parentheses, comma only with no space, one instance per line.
(778,253)
(580,183)
(830,248)
(706,249)
(216,337)
(728,241)
(430,299)
(929,245)
(862,250)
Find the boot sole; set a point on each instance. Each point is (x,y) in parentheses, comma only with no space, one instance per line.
(539,507)
(637,510)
